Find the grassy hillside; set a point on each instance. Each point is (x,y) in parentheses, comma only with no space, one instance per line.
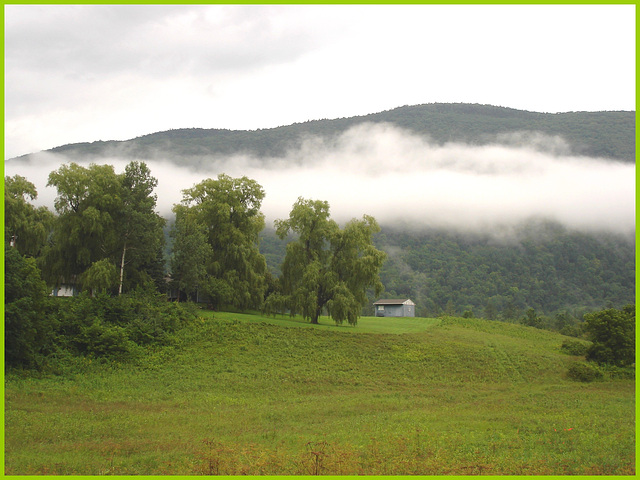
(242,394)
(601,134)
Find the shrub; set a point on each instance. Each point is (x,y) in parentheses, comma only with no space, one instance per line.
(572,330)
(105,327)
(100,340)
(613,333)
(584,372)
(28,325)
(153,319)
(622,373)
(574,347)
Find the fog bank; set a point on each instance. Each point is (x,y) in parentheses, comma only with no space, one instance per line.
(396,176)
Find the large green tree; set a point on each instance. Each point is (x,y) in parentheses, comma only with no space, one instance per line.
(326,266)
(227,210)
(26,227)
(140,227)
(87,204)
(613,333)
(28,329)
(104,217)
(190,252)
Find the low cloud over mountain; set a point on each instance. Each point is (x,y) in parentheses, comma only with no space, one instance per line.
(397,176)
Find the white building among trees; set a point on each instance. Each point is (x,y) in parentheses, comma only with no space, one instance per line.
(395,308)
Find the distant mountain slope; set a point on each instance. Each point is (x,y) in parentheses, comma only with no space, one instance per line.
(598,134)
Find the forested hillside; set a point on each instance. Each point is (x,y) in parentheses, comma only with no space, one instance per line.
(601,134)
(542,266)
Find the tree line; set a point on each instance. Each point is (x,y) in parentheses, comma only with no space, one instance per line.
(538,273)
(541,274)
(107,241)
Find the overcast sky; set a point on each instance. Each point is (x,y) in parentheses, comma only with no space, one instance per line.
(105,72)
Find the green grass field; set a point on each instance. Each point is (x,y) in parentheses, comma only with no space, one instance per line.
(246,394)
(365,324)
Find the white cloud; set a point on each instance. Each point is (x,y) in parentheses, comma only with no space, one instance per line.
(395,176)
(388,173)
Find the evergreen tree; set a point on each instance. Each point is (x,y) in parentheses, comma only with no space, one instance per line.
(140,227)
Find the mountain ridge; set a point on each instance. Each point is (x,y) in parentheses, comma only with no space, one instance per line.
(608,134)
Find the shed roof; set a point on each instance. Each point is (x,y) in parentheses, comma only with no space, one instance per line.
(403,301)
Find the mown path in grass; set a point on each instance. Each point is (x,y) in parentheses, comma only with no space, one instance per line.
(247,395)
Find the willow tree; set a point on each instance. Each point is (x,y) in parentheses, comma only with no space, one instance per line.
(190,253)
(104,217)
(326,266)
(227,211)
(26,227)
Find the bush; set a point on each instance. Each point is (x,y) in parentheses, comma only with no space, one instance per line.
(111,328)
(574,347)
(153,319)
(100,340)
(28,325)
(619,373)
(572,330)
(584,372)
(613,333)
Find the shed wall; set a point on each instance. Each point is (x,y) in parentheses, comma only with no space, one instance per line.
(64,291)
(396,311)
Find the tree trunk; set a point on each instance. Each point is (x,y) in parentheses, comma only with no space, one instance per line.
(124,252)
(319,305)
(316,315)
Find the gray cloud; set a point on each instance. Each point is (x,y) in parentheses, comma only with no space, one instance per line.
(78,73)
(152,40)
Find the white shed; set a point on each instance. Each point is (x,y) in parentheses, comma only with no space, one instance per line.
(395,308)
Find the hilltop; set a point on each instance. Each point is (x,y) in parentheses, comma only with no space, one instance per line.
(597,134)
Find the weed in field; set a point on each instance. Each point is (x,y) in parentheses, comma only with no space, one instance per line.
(585,372)
(411,455)
(456,399)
